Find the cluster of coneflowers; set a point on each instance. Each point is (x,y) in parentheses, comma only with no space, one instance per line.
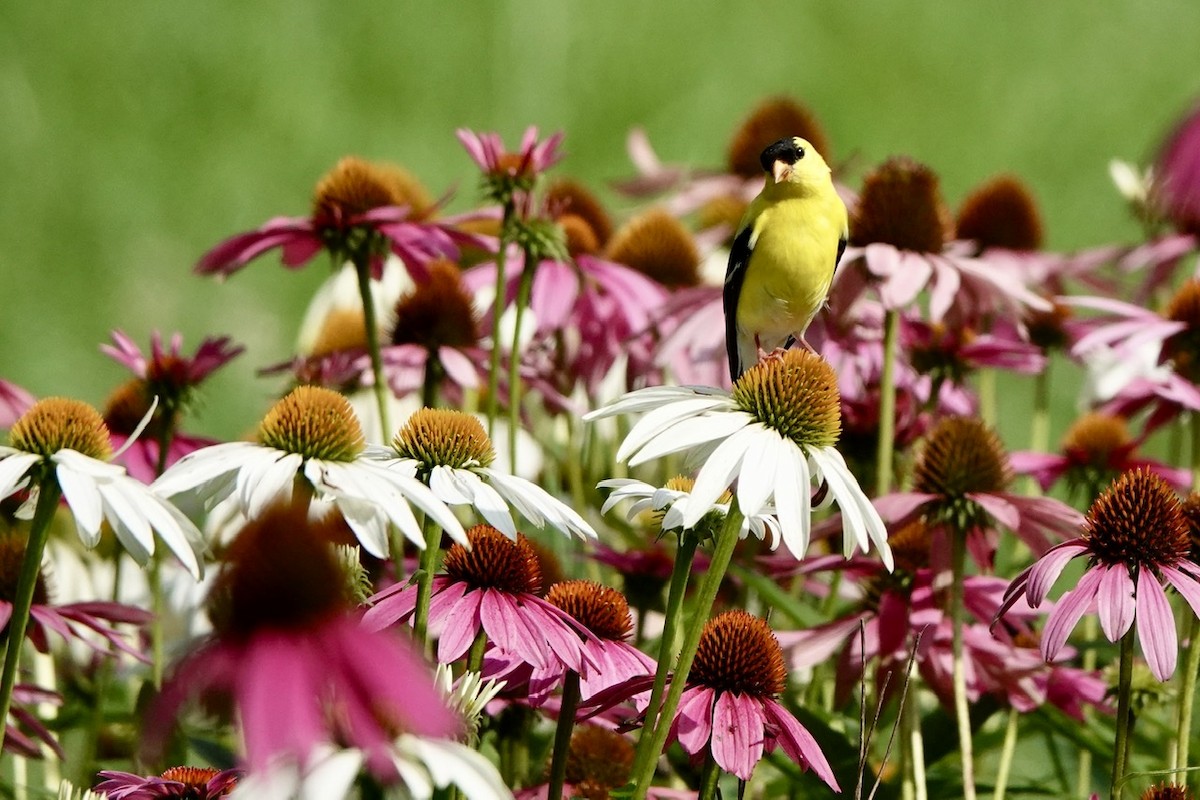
(508,531)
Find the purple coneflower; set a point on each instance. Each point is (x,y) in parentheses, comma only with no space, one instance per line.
(295,659)
(490,588)
(172,378)
(14,401)
(505,173)
(1136,540)
(729,708)
(177,783)
(360,211)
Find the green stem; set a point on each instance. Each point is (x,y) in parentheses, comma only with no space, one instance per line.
(1124,717)
(1187,690)
(428,562)
(157,601)
(987,397)
(362,267)
(562,736)
(887,405)
(1006,754)
(497,311)
(433,377)
(524,290)
(476,653)
(710,777)
(913,787)
(680,572)
(22,601)
(727,539)
(962,710)
(1083,774)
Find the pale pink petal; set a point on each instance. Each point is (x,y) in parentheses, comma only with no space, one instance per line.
(799,744)
(458,626)
(899,505)
(1185,582)
(1045,572)
(694,719)
(737,733)
(1156,626)
(278,695)
(1065,615)
(1115,602)
(1003,511)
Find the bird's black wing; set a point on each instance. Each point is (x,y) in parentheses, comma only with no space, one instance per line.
(735,276)
(837,261)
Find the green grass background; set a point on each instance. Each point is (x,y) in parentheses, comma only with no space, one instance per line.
(136,134)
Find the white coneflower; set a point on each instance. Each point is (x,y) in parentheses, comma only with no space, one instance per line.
(772,436)
(67,441)
(451,452)
(312,434)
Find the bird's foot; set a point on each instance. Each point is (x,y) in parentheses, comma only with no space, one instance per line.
(775,355)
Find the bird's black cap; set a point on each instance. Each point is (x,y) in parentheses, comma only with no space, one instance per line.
(784,150)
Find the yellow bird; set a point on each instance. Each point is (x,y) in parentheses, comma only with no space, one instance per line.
(784,255)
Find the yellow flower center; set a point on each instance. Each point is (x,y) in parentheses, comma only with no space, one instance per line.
(314,422)
(59,423)
(796,394)
(444,437)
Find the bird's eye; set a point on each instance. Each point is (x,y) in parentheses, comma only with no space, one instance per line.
(799,153)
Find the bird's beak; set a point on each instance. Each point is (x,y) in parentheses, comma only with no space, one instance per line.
(781,170)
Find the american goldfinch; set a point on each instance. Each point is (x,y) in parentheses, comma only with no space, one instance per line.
(784,255)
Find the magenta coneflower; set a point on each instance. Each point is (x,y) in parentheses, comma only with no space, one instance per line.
(24,733)
(505,173)
(960,483)
(360,211)
(83,622)
(729,708)
(490,588)
(177,783)
(1135,539)
(299,666)
(172,378)
(1177,174)
(1095,451)
(900,246)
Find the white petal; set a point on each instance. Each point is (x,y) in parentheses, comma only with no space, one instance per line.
(177,533)
(202,466)
(860,521)
(84,499)
(535,503)
(447,487)
(488,502)
(717,474)
(450,762)
(658,420)
(271,481)
(757,475)
(653,397)
(792,500)
(119,505)
(12,472)
(692,432)
(368,524)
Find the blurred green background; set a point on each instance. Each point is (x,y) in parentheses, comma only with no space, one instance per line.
(137,134)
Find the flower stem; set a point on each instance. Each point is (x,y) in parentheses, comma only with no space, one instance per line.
(1124,717)
(680,572)
(22,602)
(887,405)
(524,289)
(497,311)
(962,710)
(562,736)
(1187,690)
(362,267)
(1006,754)
(433,376)
(727,539)
(987,396)
(710,777)
(476,653)
(428,561)
(913,787)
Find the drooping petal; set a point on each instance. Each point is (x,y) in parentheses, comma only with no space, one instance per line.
(1115,602)
(694,719)
(737,736)
(1156,626)
(799,744)
(1073,605)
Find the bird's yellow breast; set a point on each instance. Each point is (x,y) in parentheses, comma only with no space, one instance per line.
(793,254)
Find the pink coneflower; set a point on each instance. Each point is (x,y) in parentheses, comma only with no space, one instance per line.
(172,378)
(360,211)
(960,482)
(179,783)
(729,708)
(1095,451)
(24,733)
(508,173)
(491,588)
(14,401)
(295,659)
(1135,539)
(900,247)
(83,622)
